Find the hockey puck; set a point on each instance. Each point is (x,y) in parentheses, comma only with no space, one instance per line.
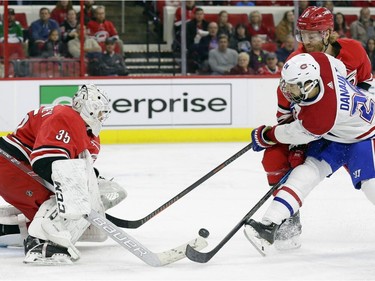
(203,233)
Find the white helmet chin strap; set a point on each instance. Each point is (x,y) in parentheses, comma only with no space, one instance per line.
(306,90)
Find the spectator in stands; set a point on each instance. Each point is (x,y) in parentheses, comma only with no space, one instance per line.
(329,5)
(240,41)
(256,27)
(257,54)
(206,44)
(222,59)
(363,28)
(69,28)
(242,67)
(340,26)
(270,68)
(285,27)
(274,3)
(39,31)
(245,3)
(285,50)
(61,10)
(224,26)
(54,47)
(110,63)
(370,50)
(88,11)
(101,28)
(15,33)
(196,29)
(91,47)
(302,5)
(190,12)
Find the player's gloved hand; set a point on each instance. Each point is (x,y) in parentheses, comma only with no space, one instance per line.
(259,140)
(297,155)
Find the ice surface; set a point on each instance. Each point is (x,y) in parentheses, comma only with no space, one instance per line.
(338,221)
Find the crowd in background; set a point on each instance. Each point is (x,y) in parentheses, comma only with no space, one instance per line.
(55,36)
(265,46)
(214,47)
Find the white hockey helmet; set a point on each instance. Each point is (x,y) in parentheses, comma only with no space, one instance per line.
(302,71)
(93,105)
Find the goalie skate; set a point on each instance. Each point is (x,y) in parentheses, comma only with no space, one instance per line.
(260,236)
(42,252)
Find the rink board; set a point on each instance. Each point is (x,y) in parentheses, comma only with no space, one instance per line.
(199,109)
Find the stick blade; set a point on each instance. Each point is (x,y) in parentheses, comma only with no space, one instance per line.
(196,256)
(178,253)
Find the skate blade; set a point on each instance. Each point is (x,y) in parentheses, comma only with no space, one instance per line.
(261,245)
(37,259)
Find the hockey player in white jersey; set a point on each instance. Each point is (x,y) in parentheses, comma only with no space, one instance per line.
(336,119)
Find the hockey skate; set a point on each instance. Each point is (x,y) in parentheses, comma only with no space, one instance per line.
(261,236)
(289,233)
(42,252)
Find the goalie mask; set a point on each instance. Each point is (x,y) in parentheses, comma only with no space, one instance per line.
(299,76)
(93,105)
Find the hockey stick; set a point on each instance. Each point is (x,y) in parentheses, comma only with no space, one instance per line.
(197,256)
(137,223)
(117,234)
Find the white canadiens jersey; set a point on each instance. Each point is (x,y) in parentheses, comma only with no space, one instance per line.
(340,112)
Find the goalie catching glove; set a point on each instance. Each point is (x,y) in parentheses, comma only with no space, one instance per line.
(261,138)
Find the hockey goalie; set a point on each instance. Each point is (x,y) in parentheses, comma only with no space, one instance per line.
(60,144)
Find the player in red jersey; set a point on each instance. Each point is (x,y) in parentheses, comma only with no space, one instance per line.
(44,141)
(315,33)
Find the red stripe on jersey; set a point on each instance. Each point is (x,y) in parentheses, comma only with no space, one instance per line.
(318,118)
(365,134)
(291,192)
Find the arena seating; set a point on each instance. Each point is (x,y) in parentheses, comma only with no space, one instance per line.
(21,17)
(234,19)
(350,18)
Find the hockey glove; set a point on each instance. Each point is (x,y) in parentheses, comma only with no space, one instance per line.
(259,139)
(297,155)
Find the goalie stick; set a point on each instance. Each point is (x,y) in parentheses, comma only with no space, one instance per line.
(200,257)
(137,223)
(117,234)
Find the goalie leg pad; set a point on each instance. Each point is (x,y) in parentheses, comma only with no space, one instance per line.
(71,184)
(111,194)
(48,225)
(13,229)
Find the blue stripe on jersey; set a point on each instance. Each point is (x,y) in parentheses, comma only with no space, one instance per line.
(285,203)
